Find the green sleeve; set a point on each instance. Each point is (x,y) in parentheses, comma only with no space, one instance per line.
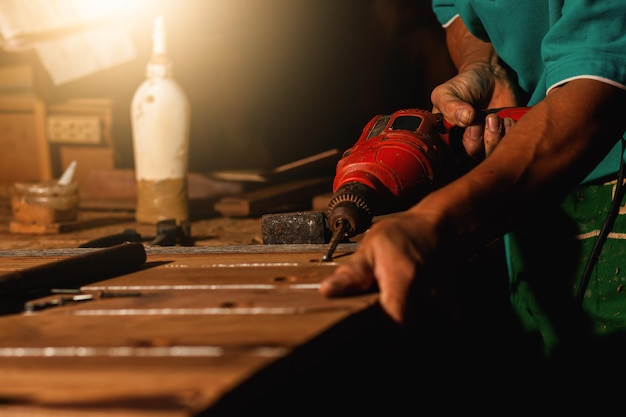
(587,40)
(444,10)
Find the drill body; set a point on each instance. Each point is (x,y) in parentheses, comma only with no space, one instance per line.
(397,160)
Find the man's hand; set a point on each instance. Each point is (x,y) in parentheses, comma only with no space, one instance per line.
(392,257)
(482,83)
(482,87)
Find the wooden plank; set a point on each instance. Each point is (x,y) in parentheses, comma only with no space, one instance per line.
(319,165)
(88,159)
(202,260)
(290,196)
(120,184)
(204,324)
(111,184)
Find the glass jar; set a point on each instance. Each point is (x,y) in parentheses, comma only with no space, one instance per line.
(44,202)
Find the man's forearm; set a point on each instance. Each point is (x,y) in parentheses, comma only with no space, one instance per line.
(552,148)
(467,50)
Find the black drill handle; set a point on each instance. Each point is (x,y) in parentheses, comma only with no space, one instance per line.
(514,113)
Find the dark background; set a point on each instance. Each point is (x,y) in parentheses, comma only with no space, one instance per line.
(272,81)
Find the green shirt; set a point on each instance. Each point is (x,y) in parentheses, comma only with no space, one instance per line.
(546,43)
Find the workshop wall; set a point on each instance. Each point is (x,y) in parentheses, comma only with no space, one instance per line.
(273,81)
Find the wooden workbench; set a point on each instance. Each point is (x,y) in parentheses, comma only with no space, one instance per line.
(228,326)
(194,328)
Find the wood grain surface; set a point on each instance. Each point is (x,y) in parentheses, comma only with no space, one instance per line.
(169,339)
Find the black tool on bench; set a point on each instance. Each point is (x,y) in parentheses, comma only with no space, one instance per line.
(128,235)
(168,234)
(171,234)
(19,286)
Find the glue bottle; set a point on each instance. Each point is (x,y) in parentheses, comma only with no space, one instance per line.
(160,117)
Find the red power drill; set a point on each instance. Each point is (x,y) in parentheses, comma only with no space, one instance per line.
(397,160)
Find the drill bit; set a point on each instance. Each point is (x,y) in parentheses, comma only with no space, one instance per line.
(341,228)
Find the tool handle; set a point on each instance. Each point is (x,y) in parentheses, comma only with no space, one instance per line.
(514,113)
(74,271)
(128,235)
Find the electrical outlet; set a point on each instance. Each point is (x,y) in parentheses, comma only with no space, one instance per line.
(74,129)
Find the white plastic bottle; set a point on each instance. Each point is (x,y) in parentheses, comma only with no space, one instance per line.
(160,116)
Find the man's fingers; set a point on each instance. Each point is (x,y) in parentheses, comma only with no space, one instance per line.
(352,278)
(508,123)
(459,113)
(494,130)
(473,141)
(455,110)
(394,280)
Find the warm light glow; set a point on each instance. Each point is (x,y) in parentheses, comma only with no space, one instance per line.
(96,9)
(26,23)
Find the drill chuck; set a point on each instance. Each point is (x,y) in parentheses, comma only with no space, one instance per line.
(350,204)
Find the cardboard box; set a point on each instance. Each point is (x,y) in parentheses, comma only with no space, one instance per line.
(24,149)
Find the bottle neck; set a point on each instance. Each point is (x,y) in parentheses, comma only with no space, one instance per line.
(159,68)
